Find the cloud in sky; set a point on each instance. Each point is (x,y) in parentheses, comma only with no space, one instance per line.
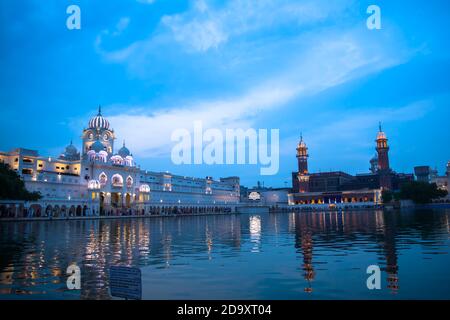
(322,65)
(146,1)
(354,125)
(297,65)
(205,27)
(275,53)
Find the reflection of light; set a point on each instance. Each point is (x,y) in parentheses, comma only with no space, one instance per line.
(291,222)
(379,219)
(255,232)
(255,225)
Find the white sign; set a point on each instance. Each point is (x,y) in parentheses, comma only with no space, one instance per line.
(125,282)
(254,196)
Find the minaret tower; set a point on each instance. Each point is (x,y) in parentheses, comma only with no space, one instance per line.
(383,160)
(302,158)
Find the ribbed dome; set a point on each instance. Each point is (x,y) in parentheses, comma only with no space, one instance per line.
(124,152)
(97,146)
(98,122)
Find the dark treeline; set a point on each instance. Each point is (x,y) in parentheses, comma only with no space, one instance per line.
(419,192)
(12,187)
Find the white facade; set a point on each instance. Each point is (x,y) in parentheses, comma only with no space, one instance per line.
(109,180)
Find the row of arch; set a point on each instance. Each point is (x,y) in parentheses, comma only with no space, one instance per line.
(37,211)
(116,181)
(117,160)
(66,211)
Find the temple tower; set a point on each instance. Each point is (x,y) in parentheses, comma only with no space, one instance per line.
(302,158)
(383,160)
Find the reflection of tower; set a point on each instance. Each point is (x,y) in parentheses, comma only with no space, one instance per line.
(383,160)
(302,158)
(304,241)
(390,252)
(307,247)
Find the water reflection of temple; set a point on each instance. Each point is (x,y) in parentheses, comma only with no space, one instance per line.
(35,255)
(341,227)
(94,245)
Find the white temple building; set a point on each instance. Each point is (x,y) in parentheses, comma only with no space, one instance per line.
(98,180)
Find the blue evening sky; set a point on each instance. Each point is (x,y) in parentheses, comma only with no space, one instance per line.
(299,66)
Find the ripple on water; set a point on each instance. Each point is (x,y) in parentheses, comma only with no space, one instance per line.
(267,256)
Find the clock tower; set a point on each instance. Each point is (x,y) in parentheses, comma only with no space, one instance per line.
(302,158)
(98,132)
(384,171)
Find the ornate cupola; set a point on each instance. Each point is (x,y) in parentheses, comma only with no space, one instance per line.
(98,130)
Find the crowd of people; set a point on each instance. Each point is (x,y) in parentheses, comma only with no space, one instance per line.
(21,211)
(158,210)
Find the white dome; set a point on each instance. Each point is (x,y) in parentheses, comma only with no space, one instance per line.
(98,122)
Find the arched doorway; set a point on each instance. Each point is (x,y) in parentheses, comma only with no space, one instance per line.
(35,210)
(72,211)
(128,200)
(48,211)
(56,211)
(102,203)
(63,211)
(79,211)
(115,200)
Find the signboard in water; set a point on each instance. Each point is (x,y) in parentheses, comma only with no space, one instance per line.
(125,282)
